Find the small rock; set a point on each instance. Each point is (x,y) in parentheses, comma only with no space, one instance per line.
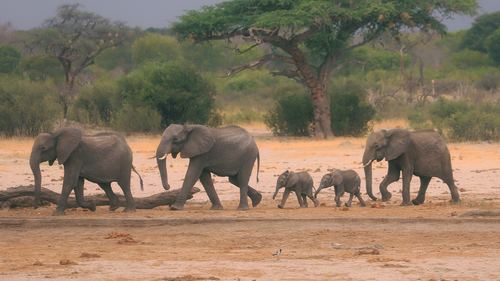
(38,263)
(67,262)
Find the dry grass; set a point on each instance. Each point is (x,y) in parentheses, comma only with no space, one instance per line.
(16,147)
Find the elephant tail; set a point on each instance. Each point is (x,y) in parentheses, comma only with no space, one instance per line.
(140,179)
(258,166)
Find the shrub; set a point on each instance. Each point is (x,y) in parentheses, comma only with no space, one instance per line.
(460,120)
(175,91)
(140,119)
(94,104)
(26,108)
(292,115)
(350,115)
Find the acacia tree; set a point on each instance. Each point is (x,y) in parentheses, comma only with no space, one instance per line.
(75,38)
(327,28)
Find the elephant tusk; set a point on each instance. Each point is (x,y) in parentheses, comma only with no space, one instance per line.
(368,163)
(163,158)
(152,157)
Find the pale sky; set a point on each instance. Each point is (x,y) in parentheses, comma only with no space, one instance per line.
(27,14)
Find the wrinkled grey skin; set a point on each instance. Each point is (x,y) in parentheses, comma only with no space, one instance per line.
(229,151)
(343,181)
(422,153)
(301,183)
(101,158)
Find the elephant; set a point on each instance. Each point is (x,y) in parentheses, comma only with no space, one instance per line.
(301,183)
(343,181)
(421,153)
(228,151)
(102,158)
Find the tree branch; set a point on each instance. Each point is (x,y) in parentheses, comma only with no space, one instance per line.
(259,62)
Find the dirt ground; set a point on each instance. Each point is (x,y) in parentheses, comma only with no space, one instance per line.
(425,242)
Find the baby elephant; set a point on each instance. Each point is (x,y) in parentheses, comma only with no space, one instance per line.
(301,183)
(344,181)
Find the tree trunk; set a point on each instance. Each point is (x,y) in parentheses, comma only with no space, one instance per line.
(322,116)
(160,199)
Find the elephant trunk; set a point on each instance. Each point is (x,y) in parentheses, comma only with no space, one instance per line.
(368,176)
(35,168)
(162,166)
(368,158)
(321,186)
(277,190)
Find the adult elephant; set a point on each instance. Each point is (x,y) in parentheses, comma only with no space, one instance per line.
(422,153)
(229,151)
(101,158)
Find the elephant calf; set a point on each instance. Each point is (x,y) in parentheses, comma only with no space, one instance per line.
(344,181)
(301,183)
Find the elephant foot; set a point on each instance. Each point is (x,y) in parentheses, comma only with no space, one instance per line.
(280,206)
(456,201)
(406,204)
(217,207)
(243,208)
(92,206)
(58,213)
(386,197)
(129,210)
(363,204)
(115,204)
(256,199)
(347,205)
(416,202)
(176,207)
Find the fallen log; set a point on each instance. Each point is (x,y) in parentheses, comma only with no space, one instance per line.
(150,202)
(481,213)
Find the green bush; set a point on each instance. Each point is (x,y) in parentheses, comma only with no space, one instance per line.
(26,108)
(139,119)
(460,120)
(174,90)
(292,115)
(350,115)
(94,104)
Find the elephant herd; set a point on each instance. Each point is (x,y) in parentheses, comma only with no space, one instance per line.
(231,151)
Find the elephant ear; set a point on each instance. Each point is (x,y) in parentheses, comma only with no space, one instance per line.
(399,139)
(67,139)
(293,178)
(336,178)
(199,140)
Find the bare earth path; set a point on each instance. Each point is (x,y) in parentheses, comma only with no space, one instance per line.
(426,242)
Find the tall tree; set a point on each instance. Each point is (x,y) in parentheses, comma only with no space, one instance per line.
(482,27)
(328,28)
(75,38)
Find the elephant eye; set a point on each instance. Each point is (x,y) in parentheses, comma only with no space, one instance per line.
(377,146)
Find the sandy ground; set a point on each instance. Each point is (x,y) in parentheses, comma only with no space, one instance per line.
(426,242)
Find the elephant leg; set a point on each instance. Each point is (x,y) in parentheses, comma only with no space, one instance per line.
(304,200)
(71,176)
(349,202)
(192,175)
(124,184)
(424,183)
(206,181)
(254,195)
(285,197)
(455,197)
(393,173)
(407,176)
(80,199)
(339,191)
(312,197)
(357,193)
(299,198)
(114,202)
